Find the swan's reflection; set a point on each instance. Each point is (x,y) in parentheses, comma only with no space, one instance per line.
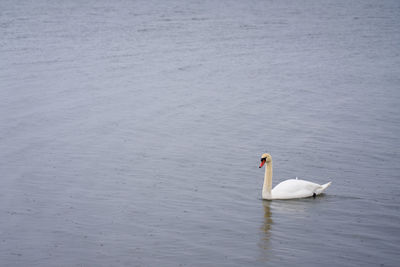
(286,214)
(295,209)
(267,223)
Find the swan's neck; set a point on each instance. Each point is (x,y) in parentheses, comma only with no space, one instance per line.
(267,187)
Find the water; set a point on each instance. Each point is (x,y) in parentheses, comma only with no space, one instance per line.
(131,132)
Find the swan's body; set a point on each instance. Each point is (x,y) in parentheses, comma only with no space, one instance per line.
(292,188)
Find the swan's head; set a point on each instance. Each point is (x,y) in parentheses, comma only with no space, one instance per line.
(265,158)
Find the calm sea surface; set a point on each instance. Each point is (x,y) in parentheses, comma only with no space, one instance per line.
(131,132)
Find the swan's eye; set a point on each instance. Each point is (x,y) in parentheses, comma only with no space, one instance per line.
(263,159)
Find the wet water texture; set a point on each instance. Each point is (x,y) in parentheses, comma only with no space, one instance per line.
(131,132)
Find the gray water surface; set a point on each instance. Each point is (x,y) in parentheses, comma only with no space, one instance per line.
(131,132)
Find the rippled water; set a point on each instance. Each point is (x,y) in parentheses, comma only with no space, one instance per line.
(131,132)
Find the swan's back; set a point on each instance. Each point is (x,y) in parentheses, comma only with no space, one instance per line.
(294,188)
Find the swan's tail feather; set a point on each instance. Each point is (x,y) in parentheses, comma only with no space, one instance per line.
(322,189)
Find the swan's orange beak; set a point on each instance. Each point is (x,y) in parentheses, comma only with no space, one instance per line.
(262,163)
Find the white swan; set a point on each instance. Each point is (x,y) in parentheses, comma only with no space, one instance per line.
(292,188)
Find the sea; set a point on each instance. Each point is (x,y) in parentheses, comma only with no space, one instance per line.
(131,132)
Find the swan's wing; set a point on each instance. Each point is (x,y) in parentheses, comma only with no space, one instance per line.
(294,188)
